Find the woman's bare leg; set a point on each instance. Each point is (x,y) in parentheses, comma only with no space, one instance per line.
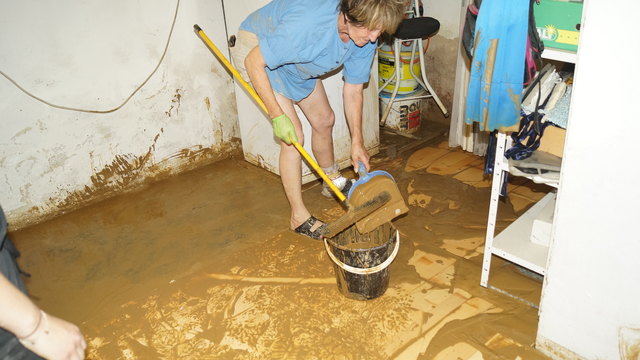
(291,169)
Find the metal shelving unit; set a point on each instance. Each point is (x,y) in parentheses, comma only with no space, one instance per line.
(513,243)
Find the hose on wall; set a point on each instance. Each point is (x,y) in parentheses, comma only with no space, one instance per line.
(164,52)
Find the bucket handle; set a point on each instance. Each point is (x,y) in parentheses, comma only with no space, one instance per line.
(365,271)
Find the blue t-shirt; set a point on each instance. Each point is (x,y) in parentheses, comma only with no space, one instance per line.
(299,42)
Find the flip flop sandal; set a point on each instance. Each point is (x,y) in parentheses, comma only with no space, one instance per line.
(305,228)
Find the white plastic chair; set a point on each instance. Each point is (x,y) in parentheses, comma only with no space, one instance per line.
(412,30)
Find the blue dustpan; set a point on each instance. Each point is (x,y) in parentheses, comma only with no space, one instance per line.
(368,186)
(365,176)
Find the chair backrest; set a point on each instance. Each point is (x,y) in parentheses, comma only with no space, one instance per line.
(416,8)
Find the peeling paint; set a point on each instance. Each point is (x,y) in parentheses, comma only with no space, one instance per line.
(56,160)
(218,135)
(29,163)
(91,160)
(175,103)
(21,132)
(24,193)
(259,161)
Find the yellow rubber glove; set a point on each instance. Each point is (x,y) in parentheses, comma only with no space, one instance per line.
(283,129)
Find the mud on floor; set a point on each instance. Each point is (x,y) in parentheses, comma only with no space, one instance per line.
(203,266)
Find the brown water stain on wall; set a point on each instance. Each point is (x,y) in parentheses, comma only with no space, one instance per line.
(259,161)
(203,155)
(127,173)
(440,60)
(629,343)
(120,174)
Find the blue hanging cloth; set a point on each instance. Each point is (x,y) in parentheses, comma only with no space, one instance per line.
(497,67)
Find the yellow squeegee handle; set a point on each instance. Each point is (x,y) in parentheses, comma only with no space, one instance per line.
(255,96)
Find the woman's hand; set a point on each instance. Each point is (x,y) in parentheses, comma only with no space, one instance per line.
(359,154)
(283,129)
(56,339)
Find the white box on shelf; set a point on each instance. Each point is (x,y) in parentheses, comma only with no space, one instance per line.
(541,227)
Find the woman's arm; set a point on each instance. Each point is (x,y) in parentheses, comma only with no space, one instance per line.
(353,96)
(282,126)
(39,332)
(255,64)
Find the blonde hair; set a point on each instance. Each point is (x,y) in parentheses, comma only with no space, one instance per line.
(384,15)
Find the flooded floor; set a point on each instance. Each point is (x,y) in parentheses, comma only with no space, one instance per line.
(203,266)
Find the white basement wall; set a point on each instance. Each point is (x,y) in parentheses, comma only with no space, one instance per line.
(591,298)
(93,55)
(443,52)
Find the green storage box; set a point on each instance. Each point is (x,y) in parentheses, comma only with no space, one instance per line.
(558,23)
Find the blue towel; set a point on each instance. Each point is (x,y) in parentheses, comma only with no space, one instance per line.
(495,102)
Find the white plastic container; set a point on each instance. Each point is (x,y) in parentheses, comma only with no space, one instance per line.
(386,68)
(405,115)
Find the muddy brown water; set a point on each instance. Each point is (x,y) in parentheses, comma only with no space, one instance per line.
(359,246)
(203,266)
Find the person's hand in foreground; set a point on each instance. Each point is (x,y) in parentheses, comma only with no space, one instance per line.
(55,338)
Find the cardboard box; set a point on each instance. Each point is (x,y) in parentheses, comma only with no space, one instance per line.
(558,23)
(552,140)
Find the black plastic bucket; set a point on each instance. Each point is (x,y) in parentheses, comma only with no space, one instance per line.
(361,261)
